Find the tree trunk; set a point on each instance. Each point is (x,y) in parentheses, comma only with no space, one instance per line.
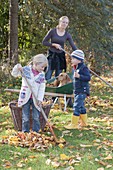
(13,32)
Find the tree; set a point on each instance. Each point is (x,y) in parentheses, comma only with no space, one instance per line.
(90,26)
(13,31)
(4,18)
(35,19)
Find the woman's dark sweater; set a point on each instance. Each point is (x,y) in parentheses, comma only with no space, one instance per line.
(53,37)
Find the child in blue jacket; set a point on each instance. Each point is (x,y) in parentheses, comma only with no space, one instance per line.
(81,80)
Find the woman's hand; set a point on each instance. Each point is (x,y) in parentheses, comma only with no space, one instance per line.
(57,46)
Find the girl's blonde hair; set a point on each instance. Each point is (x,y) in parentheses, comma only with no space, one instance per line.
(40,59)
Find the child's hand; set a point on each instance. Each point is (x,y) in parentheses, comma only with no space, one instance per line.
(76,74)
(39,103)
(20,68)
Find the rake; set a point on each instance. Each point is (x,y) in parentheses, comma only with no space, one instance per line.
(42,111)
(92,72)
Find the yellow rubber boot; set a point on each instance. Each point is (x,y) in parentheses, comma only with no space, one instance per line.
(74,123)
(83,118)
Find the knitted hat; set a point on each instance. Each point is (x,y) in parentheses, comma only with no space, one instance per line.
(78,54)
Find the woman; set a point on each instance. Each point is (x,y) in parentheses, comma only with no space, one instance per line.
(55,40)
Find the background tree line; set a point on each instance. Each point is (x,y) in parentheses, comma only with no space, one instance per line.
(91,26)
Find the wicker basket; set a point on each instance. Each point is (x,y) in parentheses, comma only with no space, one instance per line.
(16,113)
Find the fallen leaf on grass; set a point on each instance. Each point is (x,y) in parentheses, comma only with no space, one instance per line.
(55,164)
(96,159)
(61,145)
(48,161)
(92,109)
(108,157)
(29,168)
(69,168)
(20,165)
(64,157)
(73,161)
(71,147)
(7,164)
(62,140)
(32,157)
(108,143)
(100,169)
(85,146)
(97,133)
(64,163)
(80,135)
(78,158)
(97,140)
(99,147)
(96,144)
(109,166)
(66,132)
(102,162)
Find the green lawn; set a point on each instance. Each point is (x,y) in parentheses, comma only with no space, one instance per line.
(90,148)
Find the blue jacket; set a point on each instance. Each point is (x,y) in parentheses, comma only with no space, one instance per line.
(81,85)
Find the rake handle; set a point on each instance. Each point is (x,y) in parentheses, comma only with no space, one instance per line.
(92,72)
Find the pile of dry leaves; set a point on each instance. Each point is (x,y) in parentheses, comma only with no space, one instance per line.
(32,140)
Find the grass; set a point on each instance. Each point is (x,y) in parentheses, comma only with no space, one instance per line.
(89,148)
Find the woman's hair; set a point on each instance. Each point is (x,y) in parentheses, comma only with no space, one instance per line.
(62,18)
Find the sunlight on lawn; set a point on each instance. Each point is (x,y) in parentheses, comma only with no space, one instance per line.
(90,147)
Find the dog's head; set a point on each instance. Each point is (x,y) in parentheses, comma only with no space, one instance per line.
(62,79)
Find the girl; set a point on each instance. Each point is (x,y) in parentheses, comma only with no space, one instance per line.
(35,75)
